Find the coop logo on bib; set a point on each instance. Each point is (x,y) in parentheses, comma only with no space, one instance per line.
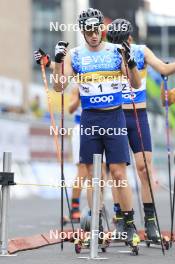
(129,96)
(99,99)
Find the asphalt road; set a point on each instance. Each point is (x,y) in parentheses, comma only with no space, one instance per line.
(36,215)
(117,254)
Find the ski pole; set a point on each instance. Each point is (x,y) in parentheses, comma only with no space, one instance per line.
(59,151)
(142,147)
(172,223)
(137,190)
(165,79)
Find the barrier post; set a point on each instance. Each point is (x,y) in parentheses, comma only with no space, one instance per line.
(97,163)
(95,206)
(7,163)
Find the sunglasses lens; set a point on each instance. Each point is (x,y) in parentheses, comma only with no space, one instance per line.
(91,32)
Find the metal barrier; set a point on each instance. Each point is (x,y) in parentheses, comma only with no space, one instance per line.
(6,179)
(97,163)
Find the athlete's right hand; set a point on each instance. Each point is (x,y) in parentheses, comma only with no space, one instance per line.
(40,54)
(60,51)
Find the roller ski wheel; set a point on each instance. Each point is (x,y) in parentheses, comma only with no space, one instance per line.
(104,243)
(166,242)
(151,241)
(135,250)
(133,239)
(81,244)
(148,244)
(134,245)
(77,248)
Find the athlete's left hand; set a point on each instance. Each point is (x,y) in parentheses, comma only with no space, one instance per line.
(128,55)
(60,51)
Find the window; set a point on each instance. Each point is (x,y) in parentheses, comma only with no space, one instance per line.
(44,12)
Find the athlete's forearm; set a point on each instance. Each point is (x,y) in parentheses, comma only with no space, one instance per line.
(157,64)
(167,69)
(135,78)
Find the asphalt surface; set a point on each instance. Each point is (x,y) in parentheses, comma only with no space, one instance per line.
(36,215)
(117,254)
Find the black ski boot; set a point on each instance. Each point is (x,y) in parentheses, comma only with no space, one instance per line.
(132,237)
(151,229)
(118,220)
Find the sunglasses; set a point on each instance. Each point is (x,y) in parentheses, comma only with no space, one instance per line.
(90,32)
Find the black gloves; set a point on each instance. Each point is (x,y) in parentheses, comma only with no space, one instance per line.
(60,51)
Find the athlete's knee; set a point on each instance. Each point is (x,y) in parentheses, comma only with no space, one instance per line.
(143,171)
(117,174)
(82,170)
(89,172)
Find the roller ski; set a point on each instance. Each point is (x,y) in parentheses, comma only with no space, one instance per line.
(152,236)
(133,239)
(85,244)
(103,241)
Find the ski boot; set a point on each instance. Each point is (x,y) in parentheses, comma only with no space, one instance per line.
(131,233)
(152,235)
(132,237)
(85,224)
(85,243)
(103,239)
(118,221)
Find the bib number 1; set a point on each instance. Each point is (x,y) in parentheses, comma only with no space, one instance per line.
(100,86)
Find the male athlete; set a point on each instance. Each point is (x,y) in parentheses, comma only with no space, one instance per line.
(143,57)
(74,107)
(101,100)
